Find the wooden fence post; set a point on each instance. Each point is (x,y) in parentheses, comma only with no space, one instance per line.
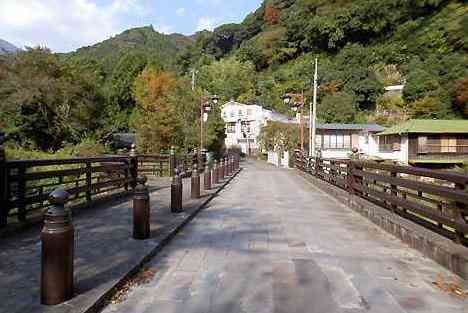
(357,180)
(317,166)
(21,194)
(88,181)
(460,216)
(394,191)
(349,177)
(332,173)
(3,183)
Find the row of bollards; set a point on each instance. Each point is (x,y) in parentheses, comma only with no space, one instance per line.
(57,235)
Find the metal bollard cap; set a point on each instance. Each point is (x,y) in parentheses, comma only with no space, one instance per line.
(133,151)
(57,216)
(142,179)
(59,196)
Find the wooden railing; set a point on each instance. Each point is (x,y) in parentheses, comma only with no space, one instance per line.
(26,184)
(437,200)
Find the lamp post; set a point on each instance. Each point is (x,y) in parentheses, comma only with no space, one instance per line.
(246,135)
(205,108)
(296,101)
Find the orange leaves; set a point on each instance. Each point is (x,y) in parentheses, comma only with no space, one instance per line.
(461,95)
(151,89)
(272,15)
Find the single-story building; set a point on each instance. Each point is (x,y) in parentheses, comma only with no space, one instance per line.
(429,142)
(337,141)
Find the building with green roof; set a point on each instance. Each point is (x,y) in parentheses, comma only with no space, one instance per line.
(426,142)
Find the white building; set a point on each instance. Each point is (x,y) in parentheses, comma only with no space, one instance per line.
(244,122)
(337,141)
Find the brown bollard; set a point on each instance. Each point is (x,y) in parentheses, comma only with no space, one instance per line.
(228,171)
(221,170)
(215,173)
(176,193)
(226,165)
(141,210)
(195,180)
(207,178)
(57,238)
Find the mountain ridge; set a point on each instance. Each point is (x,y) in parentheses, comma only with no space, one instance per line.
(7,47)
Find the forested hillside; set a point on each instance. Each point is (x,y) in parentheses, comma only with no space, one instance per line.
(362,46)
(140,80)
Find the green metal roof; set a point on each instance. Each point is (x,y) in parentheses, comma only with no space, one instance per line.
(429,127)
(438,161)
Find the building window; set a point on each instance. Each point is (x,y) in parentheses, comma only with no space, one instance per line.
(337,141)
(389,143)
(231,114)
(448,144)
(231,128)
(318,141)
(246,127)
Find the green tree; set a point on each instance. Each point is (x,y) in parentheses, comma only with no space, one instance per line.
(337,108)
(46,102)
(123,77)
(428,108)
(228,78)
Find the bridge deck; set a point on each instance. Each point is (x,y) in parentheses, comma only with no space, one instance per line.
(271,242)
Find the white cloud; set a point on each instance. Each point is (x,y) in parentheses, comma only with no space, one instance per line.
(164,29)
(64,25)
(205,23)
(180,11)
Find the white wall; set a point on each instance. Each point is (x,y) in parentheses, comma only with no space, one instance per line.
(335,154)
(257,117)
(368,148)
(274,159)
(400,156)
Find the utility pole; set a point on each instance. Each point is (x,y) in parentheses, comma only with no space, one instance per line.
(313,115)
(194,73)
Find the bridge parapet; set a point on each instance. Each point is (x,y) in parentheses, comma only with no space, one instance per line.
(436,200)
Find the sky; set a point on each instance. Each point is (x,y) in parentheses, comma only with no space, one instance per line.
(65,25)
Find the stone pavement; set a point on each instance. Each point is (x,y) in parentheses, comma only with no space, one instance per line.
(272,242)
(104,251)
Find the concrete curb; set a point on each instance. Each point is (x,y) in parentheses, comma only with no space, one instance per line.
(442,250)
(101,303)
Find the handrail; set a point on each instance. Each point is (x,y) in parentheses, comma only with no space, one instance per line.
(435,199)
(27,183)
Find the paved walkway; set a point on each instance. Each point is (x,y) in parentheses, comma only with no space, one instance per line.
(271,242)
(104,251)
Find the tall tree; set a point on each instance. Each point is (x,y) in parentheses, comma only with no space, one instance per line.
(156,122)
(46,102)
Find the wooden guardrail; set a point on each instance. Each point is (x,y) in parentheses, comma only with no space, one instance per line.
(437,200)
(26,184)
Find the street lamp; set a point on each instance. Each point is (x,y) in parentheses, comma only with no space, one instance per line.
(205,108)
(246,135)
(296,101)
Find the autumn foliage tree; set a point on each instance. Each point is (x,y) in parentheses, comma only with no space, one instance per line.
(156,121)
(461,95)
(272,15)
